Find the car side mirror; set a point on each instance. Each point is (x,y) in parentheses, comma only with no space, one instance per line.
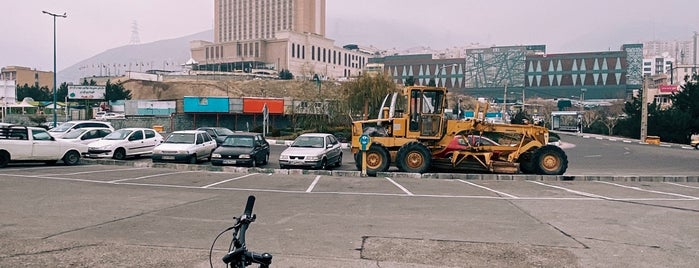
(329,146)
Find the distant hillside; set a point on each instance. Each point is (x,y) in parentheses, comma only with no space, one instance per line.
(162,55)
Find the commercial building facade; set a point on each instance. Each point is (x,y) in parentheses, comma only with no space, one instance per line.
(28,76)
(269,36)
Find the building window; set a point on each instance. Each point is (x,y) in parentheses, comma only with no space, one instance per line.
(313,55)
(293,50)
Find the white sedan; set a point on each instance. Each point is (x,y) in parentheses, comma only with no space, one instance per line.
(314,150)
(125,142)
(187,146)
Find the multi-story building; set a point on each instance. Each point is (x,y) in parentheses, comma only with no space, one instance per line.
(657,65)
(258,36)
(27,76)
(490,72)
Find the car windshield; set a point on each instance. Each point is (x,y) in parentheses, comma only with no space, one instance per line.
(118,135)
(187,138)
(224,131)
(310,142)
(238,141)
(62,127)
(74,134)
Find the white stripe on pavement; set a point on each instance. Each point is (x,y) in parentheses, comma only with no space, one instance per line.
(399,186)
(224,181)
(486,188)
(313,185)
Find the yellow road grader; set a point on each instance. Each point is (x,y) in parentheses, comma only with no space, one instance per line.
(414,133)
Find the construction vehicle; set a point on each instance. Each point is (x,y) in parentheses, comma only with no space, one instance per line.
(413,132)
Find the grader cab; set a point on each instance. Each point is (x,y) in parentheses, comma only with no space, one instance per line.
(413,132)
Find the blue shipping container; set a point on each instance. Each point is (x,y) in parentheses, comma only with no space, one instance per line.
(194,104)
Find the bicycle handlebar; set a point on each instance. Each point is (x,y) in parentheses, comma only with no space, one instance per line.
(238,255)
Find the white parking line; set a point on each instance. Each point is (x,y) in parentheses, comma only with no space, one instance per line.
(486,188)
(150,176)
(99,171)
(570,190)
(687,186)
(313,185)
(399,186)
(649,191)
(224,181)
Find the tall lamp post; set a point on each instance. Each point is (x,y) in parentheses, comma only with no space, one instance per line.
(55,89)
(644,110)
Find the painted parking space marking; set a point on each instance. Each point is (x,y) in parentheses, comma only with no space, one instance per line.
(231,179)
(313,184)
(98,171)
(149,176)
(571,190)
(649,191)
(682,185)
(489,189)
(399,186)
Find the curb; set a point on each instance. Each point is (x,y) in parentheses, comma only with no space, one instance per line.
(353,173)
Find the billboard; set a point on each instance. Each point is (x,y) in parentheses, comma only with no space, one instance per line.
(86,92)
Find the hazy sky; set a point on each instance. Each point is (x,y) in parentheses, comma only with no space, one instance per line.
(94,26)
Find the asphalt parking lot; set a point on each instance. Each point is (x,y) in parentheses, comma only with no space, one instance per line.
(102,215)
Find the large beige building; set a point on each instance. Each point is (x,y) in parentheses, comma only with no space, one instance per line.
(28,76)
(263,35)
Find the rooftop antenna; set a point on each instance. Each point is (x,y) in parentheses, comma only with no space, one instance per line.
(135,40)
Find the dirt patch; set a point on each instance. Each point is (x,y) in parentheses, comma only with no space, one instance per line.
(174,90)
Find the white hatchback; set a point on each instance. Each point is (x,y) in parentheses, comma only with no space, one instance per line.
(125,142)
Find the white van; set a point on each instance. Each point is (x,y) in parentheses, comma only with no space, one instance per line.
(69,126)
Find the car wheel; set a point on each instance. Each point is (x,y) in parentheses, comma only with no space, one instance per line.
(119,154)
(254,162)
(339,161)
(324,164)
(4,159)
(192,159)
(71,158)
(266,159)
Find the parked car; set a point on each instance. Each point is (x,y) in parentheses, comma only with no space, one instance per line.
(218,133)
(251,149)
(110,115)
(125,142)
(86,135)
(459,142)
(34,144)
(69,126)
(695,144)
(314,150)
(188,146)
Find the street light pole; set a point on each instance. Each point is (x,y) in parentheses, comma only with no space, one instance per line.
(644,111)
(55,89)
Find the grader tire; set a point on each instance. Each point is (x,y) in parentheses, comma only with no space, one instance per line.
(377,159)
(413,157)
(550,160)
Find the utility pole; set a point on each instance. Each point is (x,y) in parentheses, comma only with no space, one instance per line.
(644,110)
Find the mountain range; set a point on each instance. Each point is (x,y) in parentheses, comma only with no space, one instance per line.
(167,54)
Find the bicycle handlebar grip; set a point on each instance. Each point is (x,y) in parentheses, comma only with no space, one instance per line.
(249,205)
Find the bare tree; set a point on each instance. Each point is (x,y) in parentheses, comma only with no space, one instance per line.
(589,117)
(610,115)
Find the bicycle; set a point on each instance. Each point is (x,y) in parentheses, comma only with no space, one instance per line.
(238,254)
